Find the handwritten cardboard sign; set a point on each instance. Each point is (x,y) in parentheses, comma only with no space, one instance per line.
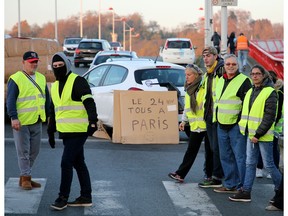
(145,117)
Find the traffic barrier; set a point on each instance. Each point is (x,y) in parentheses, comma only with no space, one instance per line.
(270,54)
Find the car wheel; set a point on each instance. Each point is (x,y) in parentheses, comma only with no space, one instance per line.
(187,130)
(76,65)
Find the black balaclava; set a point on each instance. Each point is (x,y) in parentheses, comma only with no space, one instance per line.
(61,72)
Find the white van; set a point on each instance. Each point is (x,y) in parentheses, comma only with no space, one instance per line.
(178,51)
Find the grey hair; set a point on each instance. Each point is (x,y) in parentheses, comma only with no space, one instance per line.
(227,56)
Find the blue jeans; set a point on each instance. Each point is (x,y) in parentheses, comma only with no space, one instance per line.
(266,149)
(232,146)
(276,155)
(212,136)
(242,59)
(73,157)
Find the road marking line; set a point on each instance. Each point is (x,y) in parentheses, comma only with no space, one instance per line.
(19,201)
(60,140)
(106,200)
(189,199)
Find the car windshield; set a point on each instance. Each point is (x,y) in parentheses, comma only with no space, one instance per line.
(102,59)
(115,44)
(90,45)
(178,44)
(175,76)
(72,41)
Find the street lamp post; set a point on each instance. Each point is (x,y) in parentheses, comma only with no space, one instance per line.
(124,22)
(19,20)
(113,23)
(99,24)
(56,22)
(81,22)
(130,38)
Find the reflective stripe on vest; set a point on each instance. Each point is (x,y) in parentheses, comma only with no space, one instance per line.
(30,104)
(279,126)
(71,116)
(214,83)
(196,120)
(242,43)
(228,105)
(253,118)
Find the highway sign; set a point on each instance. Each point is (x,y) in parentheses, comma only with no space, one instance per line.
(224,2)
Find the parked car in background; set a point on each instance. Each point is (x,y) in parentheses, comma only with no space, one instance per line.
(87,49)
(70,44)
(178,51)
(103,56)
(133,74)
(116,46)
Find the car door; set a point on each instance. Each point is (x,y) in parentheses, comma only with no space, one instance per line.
(103,94)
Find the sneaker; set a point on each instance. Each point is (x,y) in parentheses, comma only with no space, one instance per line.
(268,176)
(272,200)
(210,183)
(225,190)
(241,196)
(81,201)
(60,203)
(176,177)
(259,173)
(272,208)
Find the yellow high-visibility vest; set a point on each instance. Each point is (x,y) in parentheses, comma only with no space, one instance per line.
(253,118)
(196,120)
(71,116)
(214,83)
(228,105)
(30,103)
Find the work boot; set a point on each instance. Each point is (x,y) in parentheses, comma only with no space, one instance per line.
(33,183)
(26,183)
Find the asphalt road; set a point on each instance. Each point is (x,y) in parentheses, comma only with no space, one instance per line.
(127,180)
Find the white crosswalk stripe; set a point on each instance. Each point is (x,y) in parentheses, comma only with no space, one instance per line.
(106,200)
(189,199)
(19,201)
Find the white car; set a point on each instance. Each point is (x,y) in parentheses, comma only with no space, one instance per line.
(116,46)
(103,56)
(133,74)
(70,44)
(178,51)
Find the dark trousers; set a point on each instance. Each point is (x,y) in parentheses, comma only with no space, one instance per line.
(208,165)
(276,155)
(73,157)
(195,141)
(279,197)
(213,139)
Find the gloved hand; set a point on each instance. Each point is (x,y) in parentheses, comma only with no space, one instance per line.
(92,127)
(51,140)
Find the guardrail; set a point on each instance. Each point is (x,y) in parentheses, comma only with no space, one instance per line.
(270,54)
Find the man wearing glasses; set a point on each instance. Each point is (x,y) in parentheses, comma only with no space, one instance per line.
(230,92)
(27,104)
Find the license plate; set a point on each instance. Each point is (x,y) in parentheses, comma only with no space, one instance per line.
(88,59)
